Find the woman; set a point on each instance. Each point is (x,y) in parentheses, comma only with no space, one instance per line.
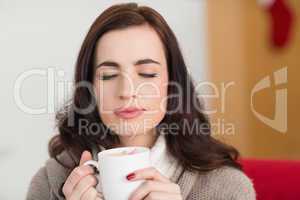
(133,89)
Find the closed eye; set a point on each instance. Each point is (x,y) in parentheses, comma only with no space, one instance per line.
(108,77)
(148,75)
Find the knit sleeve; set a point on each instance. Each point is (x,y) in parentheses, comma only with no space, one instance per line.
(223,184)
(236,185)
(46,183)
(39,186)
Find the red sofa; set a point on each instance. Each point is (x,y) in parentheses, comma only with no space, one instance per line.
(274,179)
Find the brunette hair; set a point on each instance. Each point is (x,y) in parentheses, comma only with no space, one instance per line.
(195,149)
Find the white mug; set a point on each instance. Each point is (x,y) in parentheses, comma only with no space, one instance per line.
(113,169)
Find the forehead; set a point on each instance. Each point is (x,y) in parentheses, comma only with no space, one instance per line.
(130,44)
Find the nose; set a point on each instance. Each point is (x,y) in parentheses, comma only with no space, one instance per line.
(127,89)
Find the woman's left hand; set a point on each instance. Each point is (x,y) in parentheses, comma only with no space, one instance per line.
(155,187)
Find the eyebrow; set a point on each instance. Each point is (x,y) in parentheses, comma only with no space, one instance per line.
(139,62)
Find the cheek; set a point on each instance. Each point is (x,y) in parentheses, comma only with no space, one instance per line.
(105,100)
(163,97)
(156,106)
(154,95)
(105,110)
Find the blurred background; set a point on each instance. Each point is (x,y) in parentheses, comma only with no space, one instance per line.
(249,41)
(243,55)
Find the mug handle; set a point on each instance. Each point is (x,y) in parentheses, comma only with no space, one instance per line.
(94,164)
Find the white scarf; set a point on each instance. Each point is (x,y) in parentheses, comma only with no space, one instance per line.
(161,159)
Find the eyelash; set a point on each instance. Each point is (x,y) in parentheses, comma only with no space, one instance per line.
(108,77)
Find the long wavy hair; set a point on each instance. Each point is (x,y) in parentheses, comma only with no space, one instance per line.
(195,149)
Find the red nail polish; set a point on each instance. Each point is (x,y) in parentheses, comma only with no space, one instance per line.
(130,176)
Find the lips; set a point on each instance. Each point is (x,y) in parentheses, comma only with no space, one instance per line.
(129,112)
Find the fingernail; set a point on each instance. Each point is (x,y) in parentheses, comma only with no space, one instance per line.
(130,176)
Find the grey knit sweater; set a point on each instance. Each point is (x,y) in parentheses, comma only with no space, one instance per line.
(223,183)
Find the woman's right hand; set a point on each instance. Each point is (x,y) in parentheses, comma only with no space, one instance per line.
(80,183)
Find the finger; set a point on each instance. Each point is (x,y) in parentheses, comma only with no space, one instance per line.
(99,196)
(147,173)
(85,156)
(154,186)
(89,194)
(86,183)
(76,175)
(162,196)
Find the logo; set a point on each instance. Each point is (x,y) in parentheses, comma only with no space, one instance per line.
(279,122)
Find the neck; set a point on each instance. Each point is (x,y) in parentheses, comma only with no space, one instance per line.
(146,140)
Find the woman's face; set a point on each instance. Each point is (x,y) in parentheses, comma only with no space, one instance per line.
(131,71)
